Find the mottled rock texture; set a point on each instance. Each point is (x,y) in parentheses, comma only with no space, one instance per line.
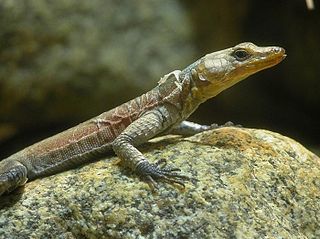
(246,183)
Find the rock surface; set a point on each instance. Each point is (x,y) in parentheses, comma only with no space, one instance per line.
(247,183)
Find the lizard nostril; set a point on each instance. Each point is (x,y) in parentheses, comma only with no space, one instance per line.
(279,50)
(276,49)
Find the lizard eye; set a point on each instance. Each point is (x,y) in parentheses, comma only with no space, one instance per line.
(241,54)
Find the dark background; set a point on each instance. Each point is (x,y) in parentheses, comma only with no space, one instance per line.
(286,98)
(66,61)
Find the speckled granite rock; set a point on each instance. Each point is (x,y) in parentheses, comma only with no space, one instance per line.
(67,60)
(247,184)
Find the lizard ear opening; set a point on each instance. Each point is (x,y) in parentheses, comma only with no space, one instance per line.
(202,78)
(199,76)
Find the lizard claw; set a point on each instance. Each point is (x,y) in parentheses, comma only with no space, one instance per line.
(160,171)
(231,124)
(227,124)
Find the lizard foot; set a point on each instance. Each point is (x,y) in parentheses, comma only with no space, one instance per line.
(227,124)
(160,171)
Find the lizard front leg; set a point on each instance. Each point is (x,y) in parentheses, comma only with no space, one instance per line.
(187,128)
(146,127)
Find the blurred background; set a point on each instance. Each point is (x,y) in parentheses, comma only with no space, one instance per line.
(64,61)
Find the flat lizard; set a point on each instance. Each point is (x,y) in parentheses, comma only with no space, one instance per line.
(162,110)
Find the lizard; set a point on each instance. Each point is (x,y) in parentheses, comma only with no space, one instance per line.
(162,110)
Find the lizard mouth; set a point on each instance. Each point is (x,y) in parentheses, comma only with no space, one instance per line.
(275,55)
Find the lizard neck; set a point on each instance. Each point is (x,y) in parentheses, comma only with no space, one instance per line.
(181,93)
(191,96)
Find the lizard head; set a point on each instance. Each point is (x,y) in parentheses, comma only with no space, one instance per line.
(218,71)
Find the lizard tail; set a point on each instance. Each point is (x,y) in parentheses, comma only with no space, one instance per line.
(12,175)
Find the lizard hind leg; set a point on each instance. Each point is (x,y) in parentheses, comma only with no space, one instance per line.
(12,175)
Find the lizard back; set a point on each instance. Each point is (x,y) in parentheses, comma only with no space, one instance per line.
(85,141)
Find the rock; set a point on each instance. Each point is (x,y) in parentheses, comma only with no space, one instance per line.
(246,183)
(67,60)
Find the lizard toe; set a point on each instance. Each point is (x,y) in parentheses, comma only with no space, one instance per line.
(157,172)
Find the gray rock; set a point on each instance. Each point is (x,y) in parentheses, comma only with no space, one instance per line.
(246,183)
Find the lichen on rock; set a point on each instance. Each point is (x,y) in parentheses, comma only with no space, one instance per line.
(245,183)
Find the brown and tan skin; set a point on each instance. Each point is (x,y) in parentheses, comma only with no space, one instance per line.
(159,111)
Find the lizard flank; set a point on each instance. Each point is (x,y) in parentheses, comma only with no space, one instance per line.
(162,110)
